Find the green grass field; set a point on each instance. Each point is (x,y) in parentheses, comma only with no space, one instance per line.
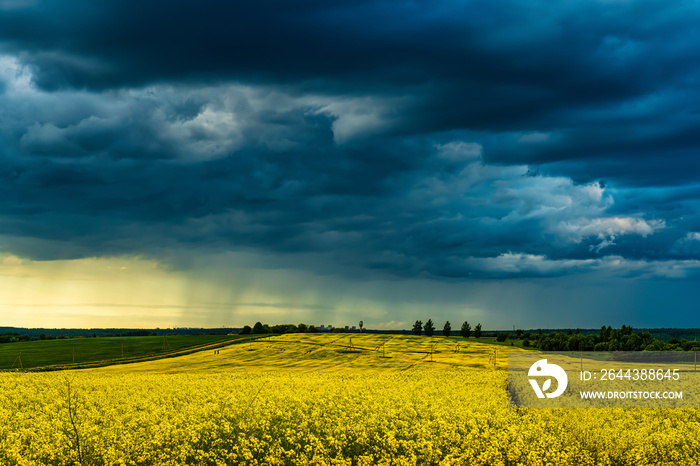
(83,350)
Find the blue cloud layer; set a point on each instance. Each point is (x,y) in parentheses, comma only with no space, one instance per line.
(415,139)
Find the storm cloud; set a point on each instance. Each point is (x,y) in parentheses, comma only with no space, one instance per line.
(449,141)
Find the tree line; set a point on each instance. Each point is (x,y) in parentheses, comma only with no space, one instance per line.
(260,329)
(608,339)
(429,329)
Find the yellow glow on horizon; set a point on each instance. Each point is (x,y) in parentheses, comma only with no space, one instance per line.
(99,292)
(135,292)
(218,290)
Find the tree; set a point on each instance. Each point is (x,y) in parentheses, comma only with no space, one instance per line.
(447,329)
(246,330)
(283,328)
(302,328)
(313,329)
(466,330)
(575,343)
(417,327)
(602,346)
(258,328)
(429,328)
(633,343)
(477,330)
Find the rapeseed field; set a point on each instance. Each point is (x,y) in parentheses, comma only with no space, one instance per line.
(321,400)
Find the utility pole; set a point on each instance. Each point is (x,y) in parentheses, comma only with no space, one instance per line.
(18,361)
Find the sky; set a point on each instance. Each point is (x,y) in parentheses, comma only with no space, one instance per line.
(513,163)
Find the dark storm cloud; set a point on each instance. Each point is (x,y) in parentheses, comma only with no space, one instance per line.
(524,58)
(438,139)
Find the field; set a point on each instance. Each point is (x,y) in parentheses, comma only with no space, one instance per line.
(41,353)
(320,399)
